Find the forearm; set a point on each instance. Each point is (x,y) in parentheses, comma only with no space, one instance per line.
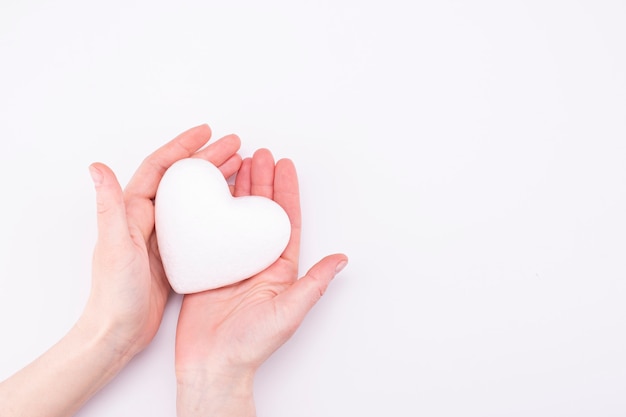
(204,394)
(61,380)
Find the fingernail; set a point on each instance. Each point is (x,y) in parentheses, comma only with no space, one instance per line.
(96,175)
(341,265)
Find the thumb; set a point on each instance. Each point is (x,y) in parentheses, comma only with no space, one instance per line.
(298,300)
(112,225)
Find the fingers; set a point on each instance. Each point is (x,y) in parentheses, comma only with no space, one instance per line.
(298,300)
(242,181)
(220,151)
(287,195)
(112,226)
(258,176)
(143,186)
(231,166)
(262,174)
(146,180)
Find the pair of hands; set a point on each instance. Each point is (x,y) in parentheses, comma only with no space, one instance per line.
(223,335)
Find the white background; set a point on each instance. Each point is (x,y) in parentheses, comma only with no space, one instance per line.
(467,156)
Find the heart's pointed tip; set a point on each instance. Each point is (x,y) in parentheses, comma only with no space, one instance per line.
(185,288)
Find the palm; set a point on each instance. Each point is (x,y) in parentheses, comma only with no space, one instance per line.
(237,319)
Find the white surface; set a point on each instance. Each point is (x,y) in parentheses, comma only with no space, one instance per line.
(207,238)
(467,156)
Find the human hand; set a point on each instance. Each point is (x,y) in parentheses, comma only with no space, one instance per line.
(129,287)
(224,335)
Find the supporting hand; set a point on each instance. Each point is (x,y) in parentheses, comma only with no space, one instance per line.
(225,334)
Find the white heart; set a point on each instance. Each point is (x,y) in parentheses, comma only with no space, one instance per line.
(209,239)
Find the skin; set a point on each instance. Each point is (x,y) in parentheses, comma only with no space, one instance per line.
(223,335)
(129,288)
(126,264)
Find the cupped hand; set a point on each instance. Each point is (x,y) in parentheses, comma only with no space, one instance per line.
(129,287)
(231,331)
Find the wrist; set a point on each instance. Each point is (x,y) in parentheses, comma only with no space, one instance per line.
(102,334)
(212,392)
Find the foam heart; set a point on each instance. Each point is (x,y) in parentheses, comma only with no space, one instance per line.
(209,239)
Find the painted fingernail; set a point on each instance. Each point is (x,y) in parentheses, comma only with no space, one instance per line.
(96,175)
(341,265)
